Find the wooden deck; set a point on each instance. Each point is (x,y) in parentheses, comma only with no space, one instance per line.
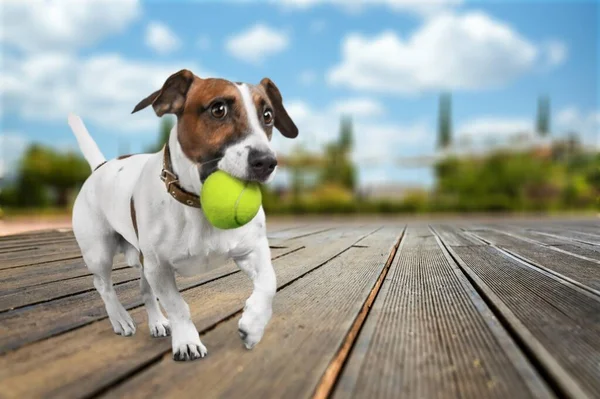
(365,309)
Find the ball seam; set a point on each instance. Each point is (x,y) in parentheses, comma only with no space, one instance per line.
(235,207)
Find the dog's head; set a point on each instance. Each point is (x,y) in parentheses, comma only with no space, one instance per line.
(224,125)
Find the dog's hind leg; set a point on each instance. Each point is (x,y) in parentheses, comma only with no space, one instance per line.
(158,324)
(98,253)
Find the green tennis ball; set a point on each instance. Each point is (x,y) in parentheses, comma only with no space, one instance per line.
(227,202)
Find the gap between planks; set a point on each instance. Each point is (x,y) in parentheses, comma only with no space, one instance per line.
(333,371)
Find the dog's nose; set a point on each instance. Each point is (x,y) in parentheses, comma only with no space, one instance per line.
(262,164)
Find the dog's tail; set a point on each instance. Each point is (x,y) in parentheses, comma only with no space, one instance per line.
(87,145)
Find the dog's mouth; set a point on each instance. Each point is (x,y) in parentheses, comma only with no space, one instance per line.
(208,167)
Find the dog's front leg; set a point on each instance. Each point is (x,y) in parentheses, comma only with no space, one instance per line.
(184,335)
(257,312)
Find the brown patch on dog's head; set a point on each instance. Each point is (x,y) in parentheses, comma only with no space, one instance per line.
(202,135)
(283,122)
(261,101)
(212,116)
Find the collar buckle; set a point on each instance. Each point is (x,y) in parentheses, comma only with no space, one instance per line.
(164,173)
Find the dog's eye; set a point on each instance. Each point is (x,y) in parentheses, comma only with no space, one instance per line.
(268,116)
(219,110)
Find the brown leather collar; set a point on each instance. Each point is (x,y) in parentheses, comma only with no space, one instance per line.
(172,182)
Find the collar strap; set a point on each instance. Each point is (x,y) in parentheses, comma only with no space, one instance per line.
(172,182)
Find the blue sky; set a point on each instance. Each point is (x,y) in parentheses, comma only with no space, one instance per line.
(383,61)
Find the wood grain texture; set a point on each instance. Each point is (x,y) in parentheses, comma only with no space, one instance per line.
(455,236)
(562,319)
(559,260)
(426,337)
(581,236)
(88,359)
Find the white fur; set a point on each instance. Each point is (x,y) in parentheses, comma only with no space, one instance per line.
(90,150)
(235,158)
(172,238)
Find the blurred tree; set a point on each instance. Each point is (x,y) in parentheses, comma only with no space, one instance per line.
(44,171)
(543,116)
(346,140)
(166,124)
(338,167)
(445,121)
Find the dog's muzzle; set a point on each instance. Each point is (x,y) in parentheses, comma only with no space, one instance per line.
(261,164)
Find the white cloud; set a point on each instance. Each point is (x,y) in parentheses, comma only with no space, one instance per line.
(161,39)
(586,124)
(500,127)
(471,51)
(34,25)
(102,89)
(359,107)
(375,141)
(308,77)
(419,7)
(556,52)
(203,42)
(257,43)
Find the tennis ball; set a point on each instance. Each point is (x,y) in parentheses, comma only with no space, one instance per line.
(228,202)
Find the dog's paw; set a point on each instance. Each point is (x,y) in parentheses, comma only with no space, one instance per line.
(189,351)
(160,328)
(251,326)
(122,323)
(186,343)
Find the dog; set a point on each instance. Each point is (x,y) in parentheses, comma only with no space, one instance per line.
(146,207)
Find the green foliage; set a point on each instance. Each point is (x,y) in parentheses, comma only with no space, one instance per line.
(46,177)
(526,181)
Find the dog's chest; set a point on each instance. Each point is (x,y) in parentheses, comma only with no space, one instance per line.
(201,248)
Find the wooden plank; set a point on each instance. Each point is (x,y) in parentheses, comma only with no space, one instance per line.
(12,280)
(429,334)
(14,244)
(571,235)
(81,362)
(41,234)
(311,319)
(46,292)
(16,255)
(454,236)
(580,249)
(41,259)
(563,264)
(557,322)
(525,233)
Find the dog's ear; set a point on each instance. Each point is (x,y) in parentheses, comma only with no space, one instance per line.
(171,98)
(283,122)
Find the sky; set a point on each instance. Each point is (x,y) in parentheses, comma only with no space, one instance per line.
(385,62)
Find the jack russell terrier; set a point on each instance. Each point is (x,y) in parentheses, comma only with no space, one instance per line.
(146,206)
